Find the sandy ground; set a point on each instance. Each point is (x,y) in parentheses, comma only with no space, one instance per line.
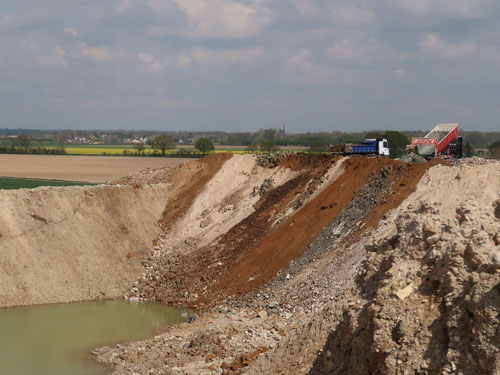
(63,244)
(79,168)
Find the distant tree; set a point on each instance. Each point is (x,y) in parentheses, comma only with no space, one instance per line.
(252,147)
(24,141)
(204,145)
(318,147)
(269,146)
(397,143)
(374,135)
(270,134)
(163,142)
(494,149)
(469,150)
(139,147)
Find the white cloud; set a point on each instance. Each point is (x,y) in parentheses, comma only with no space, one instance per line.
(491,54)
(305,8)
(124,5)
(433,46)
(71,31)
(361,50)
(462,9)
(150,63)
(224,18)
(300,61)
(399,72)
(55,59)
(145,57)
(351,15)
(96,54)
(228,56)
(305,72)
(183,61)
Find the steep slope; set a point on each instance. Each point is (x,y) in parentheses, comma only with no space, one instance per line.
(75,243)
(428,292)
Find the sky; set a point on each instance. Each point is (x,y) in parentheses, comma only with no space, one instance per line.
(234,66)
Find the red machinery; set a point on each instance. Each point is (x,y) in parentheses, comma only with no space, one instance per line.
(443,141)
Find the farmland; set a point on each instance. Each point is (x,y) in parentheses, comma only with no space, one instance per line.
(78,168)
(128,149)
(9,183)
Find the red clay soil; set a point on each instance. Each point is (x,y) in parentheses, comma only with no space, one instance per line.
(188,182)
(194,270)
(289,241)
(303,161)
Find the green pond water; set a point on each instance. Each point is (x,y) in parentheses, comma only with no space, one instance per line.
(57,339)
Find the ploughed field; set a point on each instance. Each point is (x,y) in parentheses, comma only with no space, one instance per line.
(78,168)
(295,263)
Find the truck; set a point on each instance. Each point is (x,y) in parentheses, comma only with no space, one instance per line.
(442,141)
(377,147)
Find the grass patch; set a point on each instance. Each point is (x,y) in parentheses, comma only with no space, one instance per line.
(10,183)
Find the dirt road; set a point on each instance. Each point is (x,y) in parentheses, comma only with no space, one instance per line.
(79,168)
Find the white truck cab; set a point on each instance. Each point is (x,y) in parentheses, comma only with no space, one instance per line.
(383,147)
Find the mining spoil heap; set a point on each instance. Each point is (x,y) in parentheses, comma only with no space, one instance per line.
(297,263)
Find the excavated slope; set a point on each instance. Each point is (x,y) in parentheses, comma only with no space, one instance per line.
(254,217)
(266,241)
(63,244)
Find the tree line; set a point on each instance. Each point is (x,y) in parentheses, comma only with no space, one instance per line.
(21,144)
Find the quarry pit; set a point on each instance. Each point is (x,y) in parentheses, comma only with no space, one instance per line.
(291,263)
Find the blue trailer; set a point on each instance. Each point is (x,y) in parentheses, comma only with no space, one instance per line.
(366,147)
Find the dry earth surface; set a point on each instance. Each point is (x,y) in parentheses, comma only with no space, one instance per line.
(294,264)
(79,168)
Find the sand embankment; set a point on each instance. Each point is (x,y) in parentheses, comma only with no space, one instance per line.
(75,243)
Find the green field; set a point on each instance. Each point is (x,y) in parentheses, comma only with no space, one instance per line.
(10,183)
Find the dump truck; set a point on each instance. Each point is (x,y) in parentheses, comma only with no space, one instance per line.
(378,147)
(442,141)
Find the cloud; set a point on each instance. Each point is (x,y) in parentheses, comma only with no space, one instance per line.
(490,54)
(433,46)
(183,61)
(150,63)
(224,18)
(124,5)
(399,72)
(71,31)
(55,59)
(96,54)
(461,9)
(361,49)
(305,8)
(304,71)
(351,15)
(227,56)
(300,61)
